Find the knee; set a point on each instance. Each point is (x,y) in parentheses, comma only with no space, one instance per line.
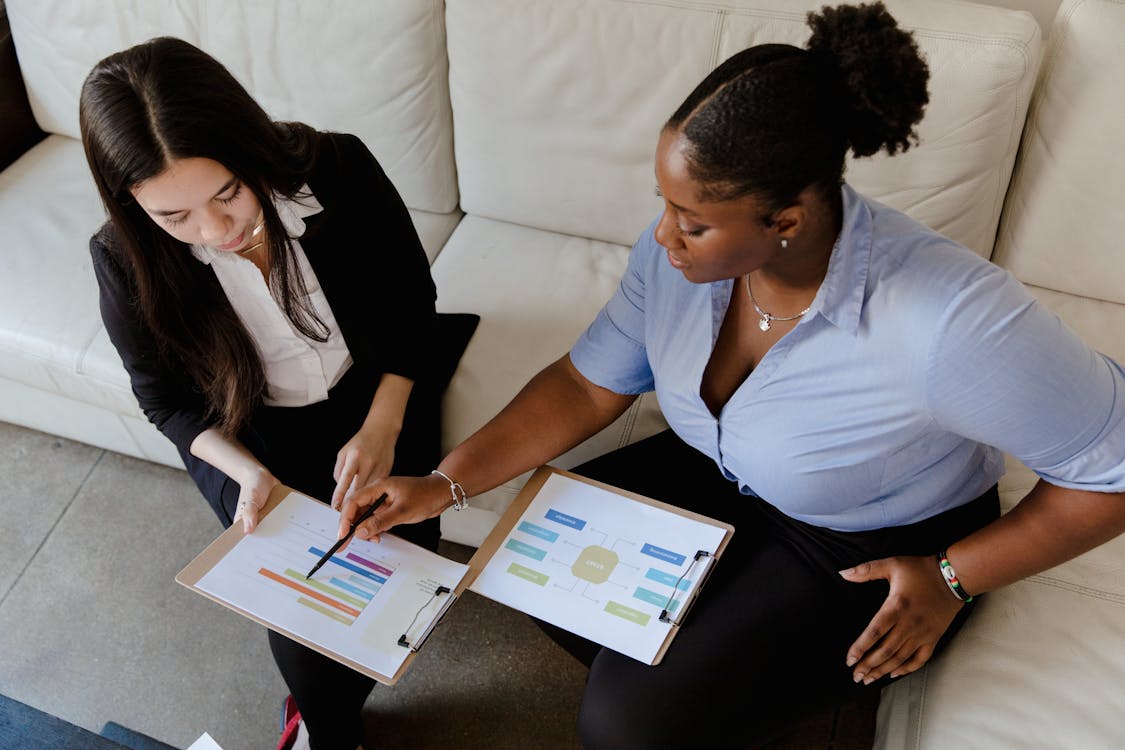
(621,714)
(606,723)
(642,711)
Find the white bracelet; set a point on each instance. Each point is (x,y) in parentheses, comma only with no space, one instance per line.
(456,491)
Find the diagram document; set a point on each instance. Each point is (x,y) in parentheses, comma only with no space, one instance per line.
(600,564)
(357,606)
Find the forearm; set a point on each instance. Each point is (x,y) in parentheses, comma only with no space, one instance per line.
(1048,527)
(555,411)
(388,405)
(228,455)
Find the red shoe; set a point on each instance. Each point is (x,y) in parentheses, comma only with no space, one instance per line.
(290,722)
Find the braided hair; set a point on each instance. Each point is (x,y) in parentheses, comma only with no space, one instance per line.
(776,119)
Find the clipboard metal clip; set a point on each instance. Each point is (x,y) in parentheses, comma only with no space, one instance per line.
(404,641)
(705,570)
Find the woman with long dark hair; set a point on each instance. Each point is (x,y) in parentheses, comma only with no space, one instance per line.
(272,304)
(839,381)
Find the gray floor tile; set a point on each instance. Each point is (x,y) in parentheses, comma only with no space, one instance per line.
(488,677)
(39,476)
(96,630)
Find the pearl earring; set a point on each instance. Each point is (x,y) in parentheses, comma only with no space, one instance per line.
(784,243)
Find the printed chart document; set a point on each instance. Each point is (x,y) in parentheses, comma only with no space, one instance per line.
(599,562)
(357,606)
(611,566)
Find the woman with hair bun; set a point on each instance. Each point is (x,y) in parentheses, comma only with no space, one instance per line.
(839,381)
(236,274)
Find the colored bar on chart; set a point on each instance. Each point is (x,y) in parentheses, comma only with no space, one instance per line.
(652,597)
(522,548)
(365,583)
(326,611)
(345,564)
(385,572)
(627,613)
(362,593)
(534,530)
(663,554)
(308,592)
(667,579)
(528,574)
(325,589)
(562,518)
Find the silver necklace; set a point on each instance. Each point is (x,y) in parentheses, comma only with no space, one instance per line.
(766,318)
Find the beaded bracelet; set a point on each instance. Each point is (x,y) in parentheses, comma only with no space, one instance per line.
(456,491)
(950,577)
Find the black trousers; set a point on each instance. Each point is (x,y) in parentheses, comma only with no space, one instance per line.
(764,646)
(299,445)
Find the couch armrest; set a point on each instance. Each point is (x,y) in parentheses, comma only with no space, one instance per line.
(18,130)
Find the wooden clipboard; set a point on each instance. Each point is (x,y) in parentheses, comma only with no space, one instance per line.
(218,549)
(209,557)
(503,529)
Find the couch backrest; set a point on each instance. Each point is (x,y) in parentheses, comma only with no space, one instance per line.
(557,105)
(376,69)
(1063,226)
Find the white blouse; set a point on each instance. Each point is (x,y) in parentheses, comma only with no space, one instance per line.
(299,370)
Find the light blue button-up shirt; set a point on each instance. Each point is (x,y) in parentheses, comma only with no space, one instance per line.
(892,399)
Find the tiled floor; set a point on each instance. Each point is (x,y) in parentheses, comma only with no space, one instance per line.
(93,628)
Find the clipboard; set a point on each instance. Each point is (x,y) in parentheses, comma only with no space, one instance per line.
(430,614)
(425,621)
(700,566)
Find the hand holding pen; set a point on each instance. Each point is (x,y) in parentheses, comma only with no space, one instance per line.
(344,539)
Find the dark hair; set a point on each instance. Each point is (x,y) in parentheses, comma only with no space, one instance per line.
(165,100)
(775,119)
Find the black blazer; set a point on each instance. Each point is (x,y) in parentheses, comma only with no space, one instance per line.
(371,268)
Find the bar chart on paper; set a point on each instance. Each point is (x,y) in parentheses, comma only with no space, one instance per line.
(352,582)
(598,564)
(357,604)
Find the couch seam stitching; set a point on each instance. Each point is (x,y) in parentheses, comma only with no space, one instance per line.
(1078,588)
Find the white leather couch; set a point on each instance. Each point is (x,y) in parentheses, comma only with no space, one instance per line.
(521,135)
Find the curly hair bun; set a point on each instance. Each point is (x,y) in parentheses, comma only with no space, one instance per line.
(881,71)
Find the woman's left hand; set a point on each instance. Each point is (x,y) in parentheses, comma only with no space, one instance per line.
(368,456)
(918,610)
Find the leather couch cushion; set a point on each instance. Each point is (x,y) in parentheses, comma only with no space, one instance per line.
(1038,669)
(558,105)
(328,63)
(48,297)
(1066,209)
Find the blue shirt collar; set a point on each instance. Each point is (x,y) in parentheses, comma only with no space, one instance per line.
(841,295)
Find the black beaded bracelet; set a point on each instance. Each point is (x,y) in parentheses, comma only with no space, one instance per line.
(950,577)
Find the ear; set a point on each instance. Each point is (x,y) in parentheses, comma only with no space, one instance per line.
(789,221)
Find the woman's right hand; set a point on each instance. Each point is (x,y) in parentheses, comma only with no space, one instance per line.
(409,500)
(253,490)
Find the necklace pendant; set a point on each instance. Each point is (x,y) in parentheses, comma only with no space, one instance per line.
(764,323)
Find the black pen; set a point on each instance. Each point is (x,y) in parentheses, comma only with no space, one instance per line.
(340,542)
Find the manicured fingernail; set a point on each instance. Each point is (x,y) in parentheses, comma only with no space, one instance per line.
(845,571)
(851,661)
(858,677)
(868,680)
(894,675)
